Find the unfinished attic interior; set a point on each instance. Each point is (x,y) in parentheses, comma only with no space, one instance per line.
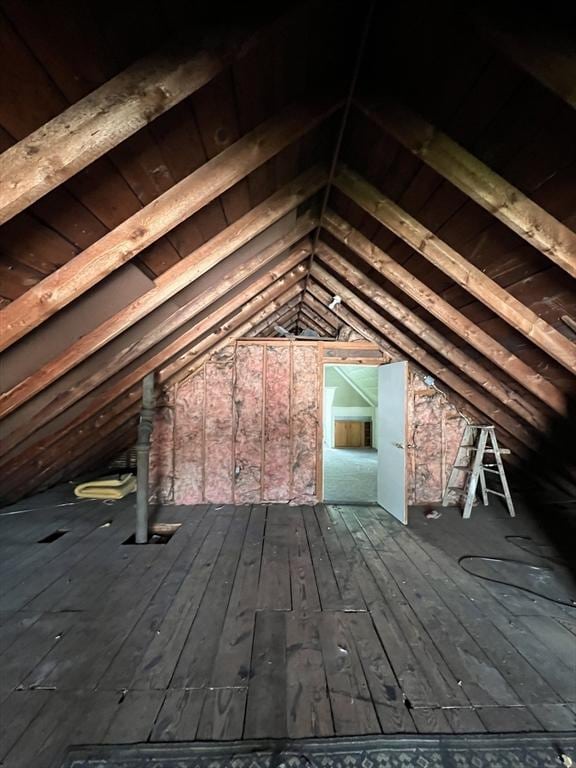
(288,319)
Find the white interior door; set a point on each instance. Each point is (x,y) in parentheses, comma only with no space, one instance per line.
(392,390)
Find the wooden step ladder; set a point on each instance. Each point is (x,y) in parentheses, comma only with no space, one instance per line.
(475,442)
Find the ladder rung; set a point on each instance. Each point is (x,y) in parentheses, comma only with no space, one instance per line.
(496,493)
(462,469)
(491,450)
(492,471)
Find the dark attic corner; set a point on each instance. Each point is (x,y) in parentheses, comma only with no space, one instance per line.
(287,403)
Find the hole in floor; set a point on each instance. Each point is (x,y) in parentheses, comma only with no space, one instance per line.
(160,533)
(53,536)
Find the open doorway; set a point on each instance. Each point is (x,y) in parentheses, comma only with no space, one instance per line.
(364,435)
(350,444)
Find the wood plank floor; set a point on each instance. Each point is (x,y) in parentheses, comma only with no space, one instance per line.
(257,622)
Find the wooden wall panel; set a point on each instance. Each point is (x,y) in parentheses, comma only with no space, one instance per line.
(248,395)
(305,416)
(189,440)
(218,431)
(277,473)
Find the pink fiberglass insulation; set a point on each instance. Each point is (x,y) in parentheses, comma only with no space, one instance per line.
(435,430)
(218,431)
(248,398)
(162,455)
(305,416)
(244,429)
(189,441)
(427,439)
(277,432)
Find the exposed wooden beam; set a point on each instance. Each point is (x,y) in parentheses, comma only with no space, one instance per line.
(91,342)
(426,360)
(459,269)
(480,183)
(311,323)
(332,322)
(323,310)
(451,317)
(34,464)
(324,328)
(276,275)
(430,336)
(125,393)
(548,55)
(109,115)
(256,309)
(277,317)
(368,332)
(157,218)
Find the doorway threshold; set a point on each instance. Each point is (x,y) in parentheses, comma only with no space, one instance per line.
(351,503)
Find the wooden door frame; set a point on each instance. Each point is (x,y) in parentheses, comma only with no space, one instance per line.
(322,363)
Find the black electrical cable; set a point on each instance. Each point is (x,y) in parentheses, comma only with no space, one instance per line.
(523,563)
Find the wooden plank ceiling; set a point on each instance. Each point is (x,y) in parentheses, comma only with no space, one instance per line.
(172,180)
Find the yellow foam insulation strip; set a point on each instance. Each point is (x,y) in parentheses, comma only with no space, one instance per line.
(106,488)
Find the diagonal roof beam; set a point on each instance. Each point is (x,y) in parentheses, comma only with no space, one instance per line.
(91,342)
(548,55)
(341,369)
(447,314)
(480,183)
(325,328)
(313,322)
(259,308)
(157,218)
(277,317)
(354,321)
(126,392)
(430,336)
(110,114)
(426,360)
(324,311)
(459,269)
(319,311)
(160,352)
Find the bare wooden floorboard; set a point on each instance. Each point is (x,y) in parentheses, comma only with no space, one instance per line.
(266,707)
(308,704)
(353,709)
(262,622)
(520,675)
(196,660)
(222,717)
(508,719)
(234,645)
(274,590)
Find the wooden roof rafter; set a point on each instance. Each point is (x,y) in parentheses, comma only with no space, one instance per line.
(500,198)
(462,271)
(414,323)
(447,314)
(143,228)
(160,352)
(430,363)
(180,276)
(26,470)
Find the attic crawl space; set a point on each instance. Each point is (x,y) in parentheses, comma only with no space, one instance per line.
(287,383)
